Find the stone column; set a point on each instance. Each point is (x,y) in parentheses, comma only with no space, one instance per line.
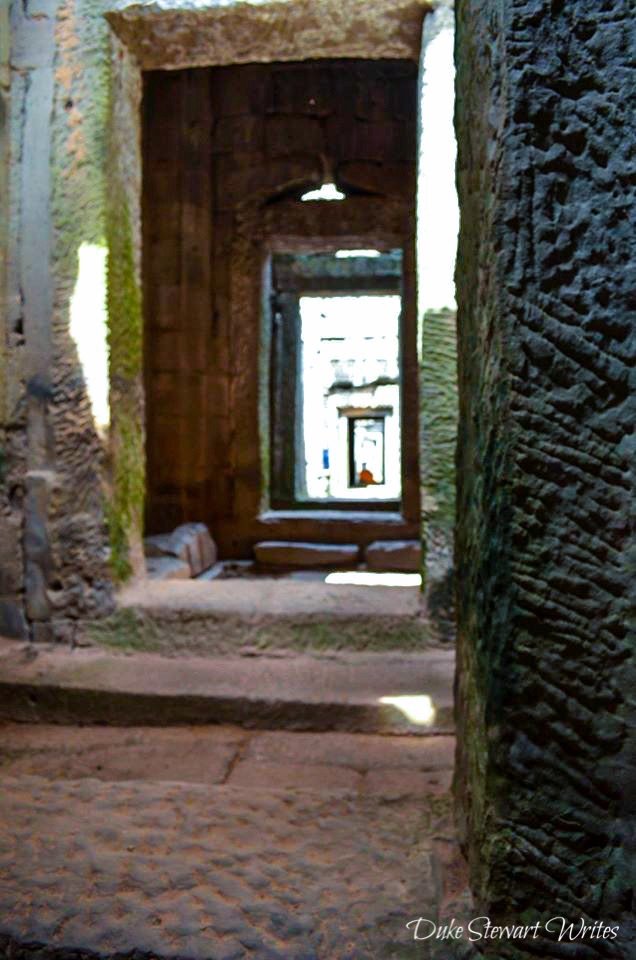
(437,237)
(12,621)
(27,341)
(544,120)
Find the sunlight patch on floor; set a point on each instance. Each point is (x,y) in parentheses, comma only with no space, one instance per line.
(417,709)
(370,579)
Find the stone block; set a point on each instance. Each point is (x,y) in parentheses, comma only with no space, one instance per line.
(290,554)
(38,605)
(190,542)
(393,784)
(33,40)
(211,573)
(167,568)
(11,562)
(404,556)
(158,545)
(12,621)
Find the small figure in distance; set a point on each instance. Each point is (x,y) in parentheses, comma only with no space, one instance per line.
(365,477)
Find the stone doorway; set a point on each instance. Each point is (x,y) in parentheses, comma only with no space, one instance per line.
(229,153)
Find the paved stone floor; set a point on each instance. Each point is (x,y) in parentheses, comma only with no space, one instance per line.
(217,842)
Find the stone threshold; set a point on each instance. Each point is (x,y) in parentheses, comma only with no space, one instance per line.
(370,693)
(263,614)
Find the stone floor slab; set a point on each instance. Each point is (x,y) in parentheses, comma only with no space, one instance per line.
(283,776)
(212,873)
(360,752)
(392,766)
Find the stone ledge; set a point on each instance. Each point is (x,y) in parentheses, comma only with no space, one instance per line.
(264,614)
(294,692)
(290,553)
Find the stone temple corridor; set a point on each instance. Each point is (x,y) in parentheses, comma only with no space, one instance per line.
(317,354)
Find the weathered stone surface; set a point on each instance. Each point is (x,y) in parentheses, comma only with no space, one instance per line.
(186,34)
(12,620)
(173,869)
(11,560)
(32,40)
(359,752)
(183,754)
(407,783)
(280,553)
(190,542)
(158,545)
(167,568)
(401,555)
(267,613)
(546,678)
(281,776)
(300,692)
(221,754)
(37,603)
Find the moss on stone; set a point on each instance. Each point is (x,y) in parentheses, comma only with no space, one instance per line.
(439,416)
(132,629)
(125,343)
(124,508)
(124,630)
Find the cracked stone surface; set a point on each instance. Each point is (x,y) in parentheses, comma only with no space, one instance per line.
(381,765)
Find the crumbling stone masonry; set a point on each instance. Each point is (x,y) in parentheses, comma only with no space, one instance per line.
(545,776)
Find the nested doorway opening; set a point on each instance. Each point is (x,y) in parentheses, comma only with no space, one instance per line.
(335,381)
(257,423)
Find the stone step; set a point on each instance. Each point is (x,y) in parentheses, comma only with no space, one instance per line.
(289,554)
(396,693)
(224,616)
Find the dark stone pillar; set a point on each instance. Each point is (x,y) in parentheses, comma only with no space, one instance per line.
(545,783)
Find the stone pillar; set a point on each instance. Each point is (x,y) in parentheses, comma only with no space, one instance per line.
(28,73)
(12,621)
(437,222)
(53,547)
(545,784)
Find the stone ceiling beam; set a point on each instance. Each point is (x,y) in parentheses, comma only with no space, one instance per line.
(172,34)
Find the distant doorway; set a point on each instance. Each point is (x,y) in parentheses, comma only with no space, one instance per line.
(336,379)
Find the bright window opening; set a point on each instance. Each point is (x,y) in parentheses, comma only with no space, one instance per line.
(346,254)
(351,396)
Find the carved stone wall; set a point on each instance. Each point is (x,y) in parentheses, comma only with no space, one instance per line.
(546,680)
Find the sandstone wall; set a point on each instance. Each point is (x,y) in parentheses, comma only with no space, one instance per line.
(546,678)
(53,501)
